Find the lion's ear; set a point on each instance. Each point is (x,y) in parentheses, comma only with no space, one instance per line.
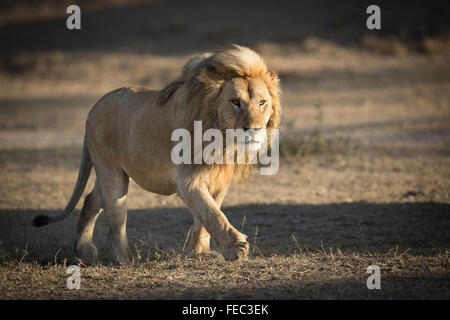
(214,71)
(274,120)
(273,76)
(275,92)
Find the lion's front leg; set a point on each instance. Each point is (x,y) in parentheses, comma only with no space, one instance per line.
(200,244)
(232,244)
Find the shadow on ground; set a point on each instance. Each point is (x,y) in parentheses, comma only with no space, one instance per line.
(274,229)
(393,287)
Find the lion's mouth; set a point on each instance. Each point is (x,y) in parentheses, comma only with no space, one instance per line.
(252,144)
(250,140)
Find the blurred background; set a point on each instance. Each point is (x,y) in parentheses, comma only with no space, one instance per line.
(365,134)
(333,69)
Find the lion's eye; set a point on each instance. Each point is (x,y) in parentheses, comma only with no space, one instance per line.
(262,102)
(236,103)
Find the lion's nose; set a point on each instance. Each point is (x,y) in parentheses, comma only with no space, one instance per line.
(254,128)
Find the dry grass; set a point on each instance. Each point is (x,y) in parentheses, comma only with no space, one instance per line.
(365,145)
(297,145)
(312,275)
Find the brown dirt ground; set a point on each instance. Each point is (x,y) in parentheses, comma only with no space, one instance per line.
(364,180)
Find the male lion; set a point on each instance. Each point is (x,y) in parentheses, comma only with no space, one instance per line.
(128,135)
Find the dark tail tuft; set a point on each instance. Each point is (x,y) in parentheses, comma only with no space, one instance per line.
(40,221)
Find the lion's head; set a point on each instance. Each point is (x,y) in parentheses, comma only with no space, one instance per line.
(231,88)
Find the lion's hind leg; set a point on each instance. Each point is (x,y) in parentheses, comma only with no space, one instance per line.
(114,188)
(200,243)
(84,245)
(200,239)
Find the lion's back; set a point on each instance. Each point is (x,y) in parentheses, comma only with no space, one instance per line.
(113,115)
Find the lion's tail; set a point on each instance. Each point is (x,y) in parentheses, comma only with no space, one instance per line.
(83,176)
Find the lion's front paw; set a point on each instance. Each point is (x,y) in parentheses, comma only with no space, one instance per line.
(242,250)
(238,251)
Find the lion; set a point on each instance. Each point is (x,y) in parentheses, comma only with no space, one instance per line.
(128,135)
